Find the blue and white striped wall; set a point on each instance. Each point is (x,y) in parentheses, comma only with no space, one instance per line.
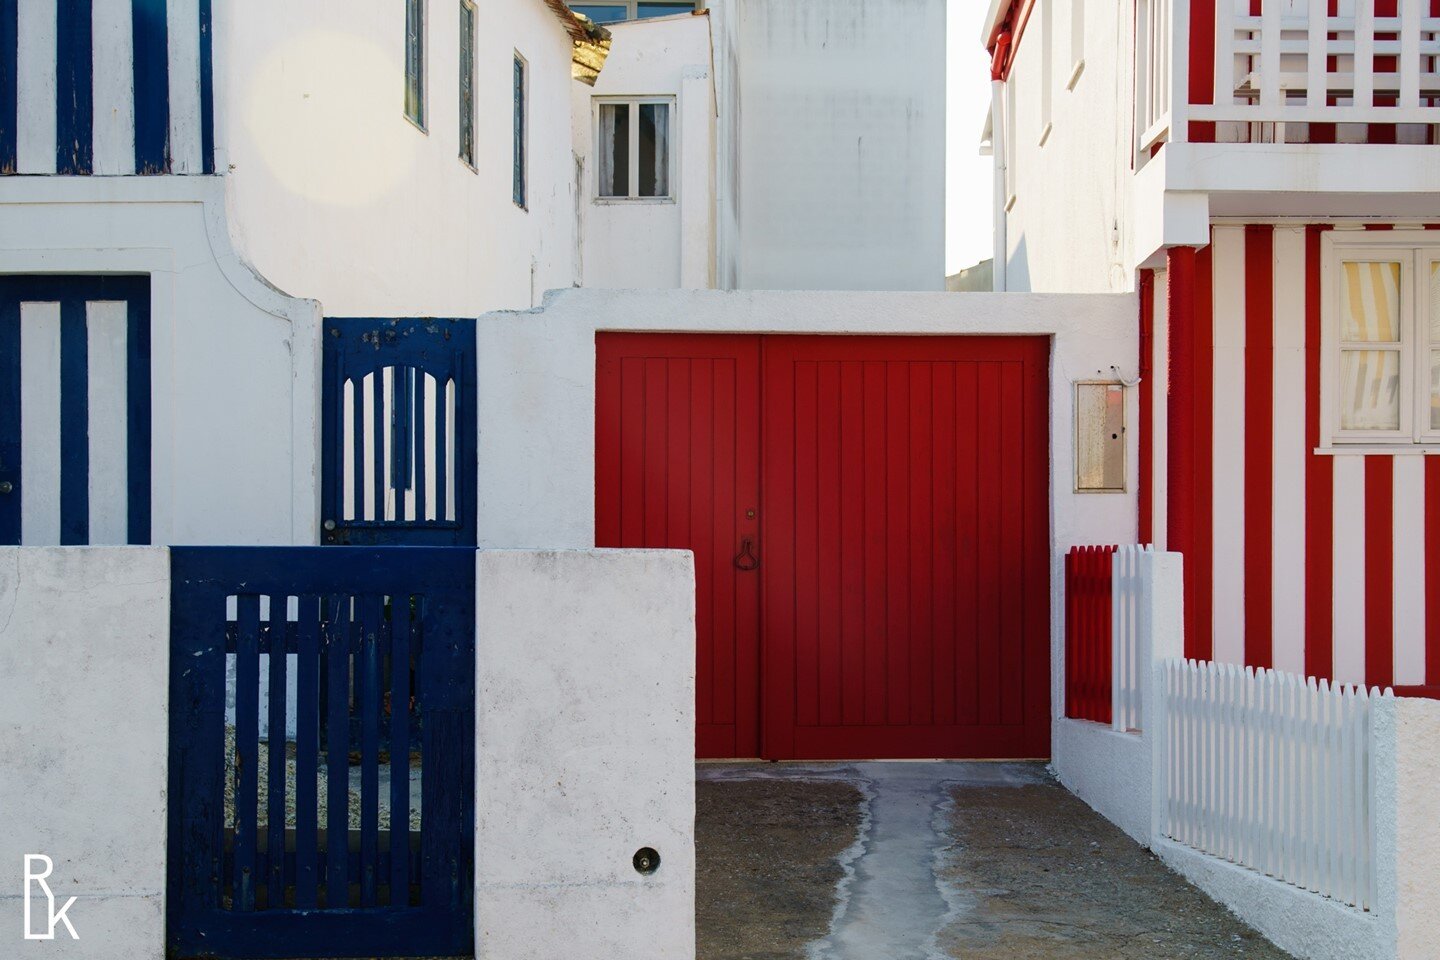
(74,410)
(106,87)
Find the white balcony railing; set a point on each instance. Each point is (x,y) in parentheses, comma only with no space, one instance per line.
(1292,65)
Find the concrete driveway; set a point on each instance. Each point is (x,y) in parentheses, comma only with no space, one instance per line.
(891,861)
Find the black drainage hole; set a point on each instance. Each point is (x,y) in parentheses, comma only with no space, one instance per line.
(646,860)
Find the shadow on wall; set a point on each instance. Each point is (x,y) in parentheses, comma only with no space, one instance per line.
(1017,269)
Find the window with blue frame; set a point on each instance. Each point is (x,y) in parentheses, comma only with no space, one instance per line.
(415,62)
(467,82)
(615,11)
(518,181)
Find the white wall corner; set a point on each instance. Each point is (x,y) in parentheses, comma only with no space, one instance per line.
(1165,217)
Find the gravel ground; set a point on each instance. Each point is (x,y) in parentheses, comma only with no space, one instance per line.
(1044,877)
(963,860)
(321,788)
(767,854)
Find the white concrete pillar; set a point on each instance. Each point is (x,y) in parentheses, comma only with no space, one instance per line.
(697,179)
(584,755)
(84,743)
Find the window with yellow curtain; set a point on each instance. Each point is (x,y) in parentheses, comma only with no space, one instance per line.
(1382,338)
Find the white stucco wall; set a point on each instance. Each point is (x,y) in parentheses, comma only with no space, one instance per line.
(1069,228)
(837,120)
(84,707)
(653,243)
(585,726)
(537,395)
(1108,770)
(337,196)
(234,363)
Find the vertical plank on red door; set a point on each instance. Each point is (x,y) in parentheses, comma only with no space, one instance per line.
(989,498)
(702,527)
(657,445)
(922,545)
(943,531)
(726,675)
(897,542)
(873,507)
(677,456)
(966,651)
(746,518)
(830,591)
(1011,547)
(805,599)
(631,495)
(785,503)
(852,541)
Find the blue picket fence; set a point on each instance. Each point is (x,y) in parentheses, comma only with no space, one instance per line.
(369,658)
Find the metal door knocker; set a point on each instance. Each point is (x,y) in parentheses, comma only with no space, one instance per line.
(746,558)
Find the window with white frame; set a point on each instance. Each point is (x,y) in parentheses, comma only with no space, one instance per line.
(633,152)
(1381,338)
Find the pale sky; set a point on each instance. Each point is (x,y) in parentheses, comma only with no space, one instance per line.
(968,211)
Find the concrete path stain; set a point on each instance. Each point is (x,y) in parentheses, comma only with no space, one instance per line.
(972,860)
(889,903)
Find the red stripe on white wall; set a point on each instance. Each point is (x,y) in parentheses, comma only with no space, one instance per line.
(1379,570)
(1259,351)
(1432,571)
(1319,482)
(1145,478)
(1307,561)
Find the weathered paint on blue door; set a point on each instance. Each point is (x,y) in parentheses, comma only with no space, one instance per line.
(398,432)
(385,636)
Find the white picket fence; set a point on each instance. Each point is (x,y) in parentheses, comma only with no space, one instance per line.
(1273,772)
(1130,632)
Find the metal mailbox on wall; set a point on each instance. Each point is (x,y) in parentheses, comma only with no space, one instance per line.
(1099,437)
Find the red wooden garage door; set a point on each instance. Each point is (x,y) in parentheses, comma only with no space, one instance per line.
(901,533)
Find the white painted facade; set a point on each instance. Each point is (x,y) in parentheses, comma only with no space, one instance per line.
(84,736)
(229,352)
(570,789)
(651,242)
(336,195)
(832,131)
(1066,196)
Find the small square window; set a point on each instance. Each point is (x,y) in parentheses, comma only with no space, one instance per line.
(633,149)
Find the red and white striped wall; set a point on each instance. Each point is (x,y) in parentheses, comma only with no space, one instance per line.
(1302,561)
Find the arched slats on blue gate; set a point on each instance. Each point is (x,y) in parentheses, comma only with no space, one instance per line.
(398,432)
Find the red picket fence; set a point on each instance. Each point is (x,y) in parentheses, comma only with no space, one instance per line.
(1087,633)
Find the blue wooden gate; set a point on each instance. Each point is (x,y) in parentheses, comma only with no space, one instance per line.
(398,457)
(293,831)
(74,410)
